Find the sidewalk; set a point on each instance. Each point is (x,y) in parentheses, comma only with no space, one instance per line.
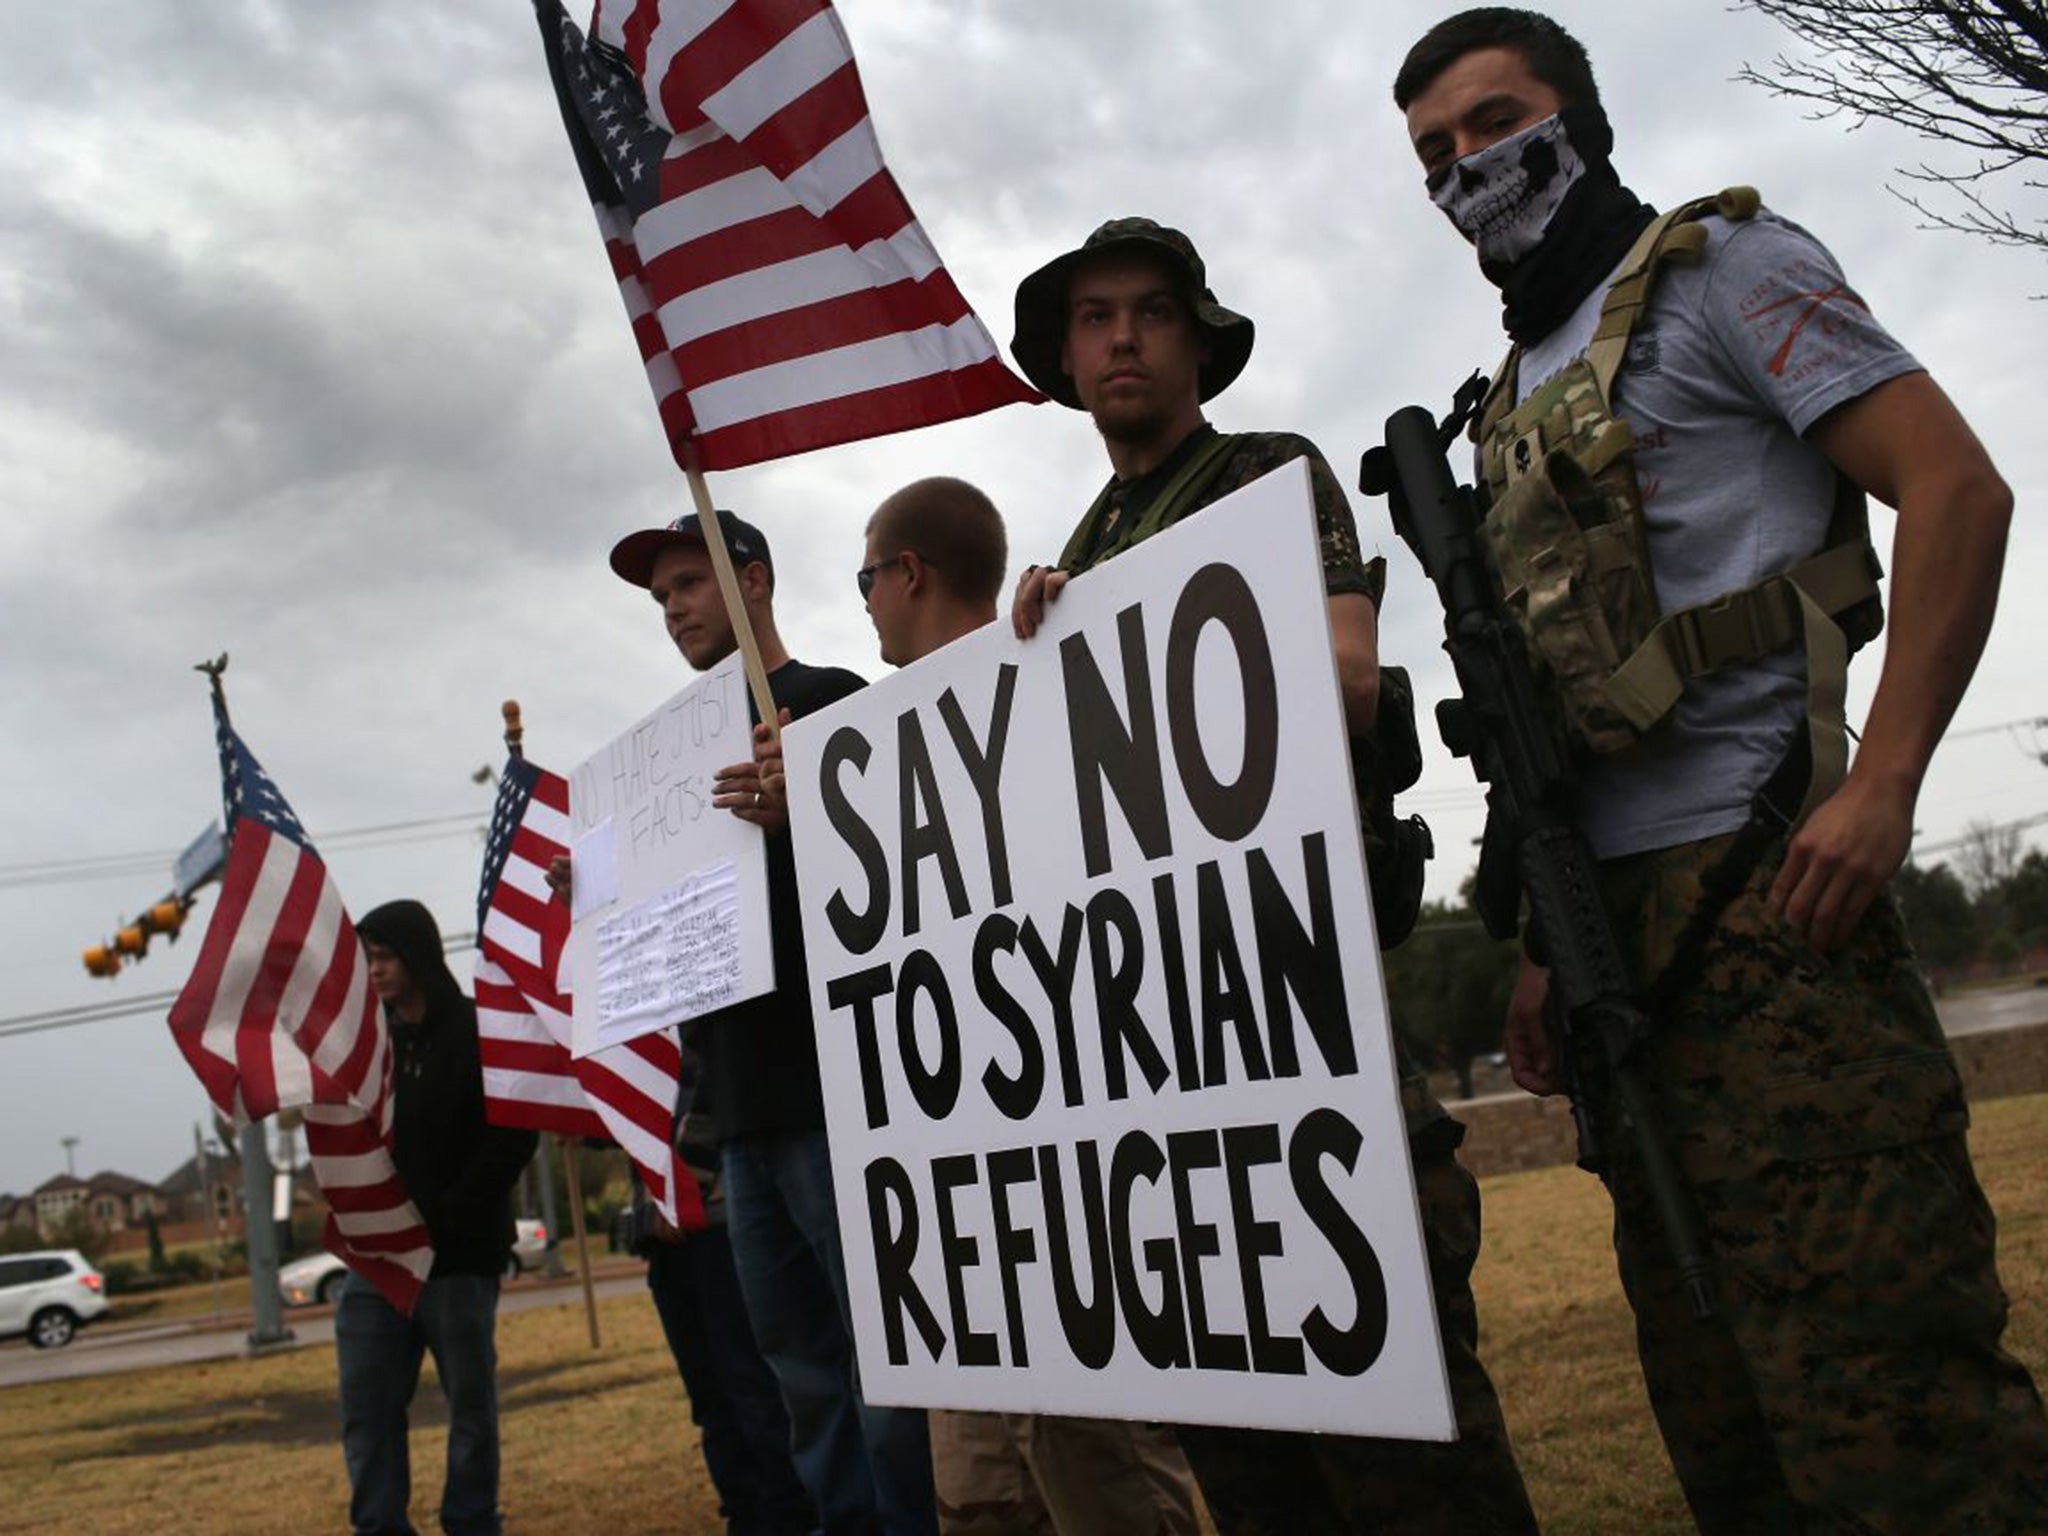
(184,1341)
(603,1267)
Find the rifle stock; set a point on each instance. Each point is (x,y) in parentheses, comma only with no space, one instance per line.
(1532,850)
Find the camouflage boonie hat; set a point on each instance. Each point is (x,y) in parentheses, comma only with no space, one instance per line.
(1042,309)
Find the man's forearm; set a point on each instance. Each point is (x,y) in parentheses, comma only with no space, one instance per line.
(1946,564)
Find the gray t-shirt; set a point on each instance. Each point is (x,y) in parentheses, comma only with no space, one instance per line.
(1737,356)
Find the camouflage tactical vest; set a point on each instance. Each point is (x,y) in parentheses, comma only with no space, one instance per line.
(1564,525)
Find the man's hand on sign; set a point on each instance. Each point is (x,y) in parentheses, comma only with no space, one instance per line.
(1039,585)
(559,877)
(1532,1056)
(757,790)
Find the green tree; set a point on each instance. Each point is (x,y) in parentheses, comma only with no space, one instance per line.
(2024,899)
(156,1240)
(1939,915)
(1448,987)
(77,1229)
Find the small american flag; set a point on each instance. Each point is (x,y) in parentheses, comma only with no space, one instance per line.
(783,294)
(624,1093)
(278,1014)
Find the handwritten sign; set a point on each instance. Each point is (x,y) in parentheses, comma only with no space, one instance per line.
(1114,1118)
(671,894)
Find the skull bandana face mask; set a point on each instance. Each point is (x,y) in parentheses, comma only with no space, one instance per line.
(1503,197)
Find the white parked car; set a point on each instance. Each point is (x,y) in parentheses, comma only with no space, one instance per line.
(317,1280)
(49,1296)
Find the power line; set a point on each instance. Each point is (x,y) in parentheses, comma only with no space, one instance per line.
(348,840)
(2038,722)
(148,1003)
(1971,836)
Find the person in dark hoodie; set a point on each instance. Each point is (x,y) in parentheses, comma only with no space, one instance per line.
(459,1171)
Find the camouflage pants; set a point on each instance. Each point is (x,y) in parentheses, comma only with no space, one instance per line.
(1276,1483)
(1854,1380)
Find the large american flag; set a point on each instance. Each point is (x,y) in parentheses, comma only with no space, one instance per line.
(783,294)
(624,1093)
(278,1013)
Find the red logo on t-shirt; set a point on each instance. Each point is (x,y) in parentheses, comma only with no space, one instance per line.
(1815,302)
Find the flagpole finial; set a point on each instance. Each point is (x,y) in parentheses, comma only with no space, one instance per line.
(213,670)
(515,728)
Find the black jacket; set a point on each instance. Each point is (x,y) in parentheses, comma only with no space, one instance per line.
(458,1169)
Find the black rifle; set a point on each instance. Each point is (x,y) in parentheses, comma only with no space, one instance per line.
(1531,847)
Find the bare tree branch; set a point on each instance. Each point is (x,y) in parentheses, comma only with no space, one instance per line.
(1969,73)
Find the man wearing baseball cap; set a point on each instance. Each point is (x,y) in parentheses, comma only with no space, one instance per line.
(1126,328)
(867,1469)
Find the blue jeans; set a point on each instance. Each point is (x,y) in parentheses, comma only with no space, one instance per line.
(868,1469)
(734,1400)
(378,1350)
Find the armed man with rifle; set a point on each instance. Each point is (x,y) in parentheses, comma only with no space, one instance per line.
(1651,602)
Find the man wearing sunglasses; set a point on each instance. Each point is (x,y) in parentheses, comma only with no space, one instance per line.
(931,574)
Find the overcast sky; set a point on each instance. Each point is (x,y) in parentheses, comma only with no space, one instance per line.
(311,355)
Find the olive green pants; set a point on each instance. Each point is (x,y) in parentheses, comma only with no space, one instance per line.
(1030,1474)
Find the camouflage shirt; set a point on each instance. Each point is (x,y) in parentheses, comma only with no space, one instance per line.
(1250,455)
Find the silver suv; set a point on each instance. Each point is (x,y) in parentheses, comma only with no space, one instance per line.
(49,1296)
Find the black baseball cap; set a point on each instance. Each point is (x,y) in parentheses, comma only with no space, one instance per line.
(633,556)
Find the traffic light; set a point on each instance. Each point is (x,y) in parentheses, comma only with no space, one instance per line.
(131,941)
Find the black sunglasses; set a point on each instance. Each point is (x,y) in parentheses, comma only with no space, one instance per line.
(864,578)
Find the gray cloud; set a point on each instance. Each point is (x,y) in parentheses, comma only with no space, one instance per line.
(311,354)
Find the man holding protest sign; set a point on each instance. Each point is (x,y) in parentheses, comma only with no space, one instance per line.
(930,574)
(867,1469)
(1126,328)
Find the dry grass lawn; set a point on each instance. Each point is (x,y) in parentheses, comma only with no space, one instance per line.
(602,1443)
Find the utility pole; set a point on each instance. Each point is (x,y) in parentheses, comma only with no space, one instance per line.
(259,1231)
(553,1267)
(202,1168)
(287,1179)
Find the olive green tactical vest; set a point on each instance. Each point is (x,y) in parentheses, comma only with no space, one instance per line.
(1564,525)
(1168,507)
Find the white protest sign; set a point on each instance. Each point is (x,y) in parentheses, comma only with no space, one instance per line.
(1114,1117)
(670,909)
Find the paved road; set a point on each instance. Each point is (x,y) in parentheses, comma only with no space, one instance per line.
(135,1349)
(1976,1012)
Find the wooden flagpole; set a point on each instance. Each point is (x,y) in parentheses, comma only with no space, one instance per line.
(515,743)
(568,1146)
(729,588)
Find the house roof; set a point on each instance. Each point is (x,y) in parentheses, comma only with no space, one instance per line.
(109,1182)
(184,1179)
